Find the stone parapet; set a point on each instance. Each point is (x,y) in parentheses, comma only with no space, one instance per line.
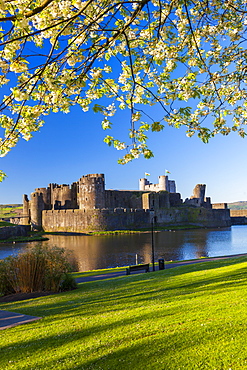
(219,205)
(13,231)
(238,212)
(80,221)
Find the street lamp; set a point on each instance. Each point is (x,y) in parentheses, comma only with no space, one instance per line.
(152,233)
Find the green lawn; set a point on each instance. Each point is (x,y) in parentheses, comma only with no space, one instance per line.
(191,317)
(5,223)
(10,211)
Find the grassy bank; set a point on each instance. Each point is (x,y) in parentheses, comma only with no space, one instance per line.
(166,228)
(10,210)
(24,239)
(33,237)
(136,231)
(191,317)
(5,223)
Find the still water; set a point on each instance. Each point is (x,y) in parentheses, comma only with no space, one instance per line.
(95,252)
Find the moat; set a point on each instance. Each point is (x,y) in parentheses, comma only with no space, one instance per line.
(95,252)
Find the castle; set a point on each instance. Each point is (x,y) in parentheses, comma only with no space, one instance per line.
(86,206)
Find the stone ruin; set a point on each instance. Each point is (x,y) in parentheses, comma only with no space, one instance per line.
(86,205)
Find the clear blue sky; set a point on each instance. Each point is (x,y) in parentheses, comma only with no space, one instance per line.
(71,145)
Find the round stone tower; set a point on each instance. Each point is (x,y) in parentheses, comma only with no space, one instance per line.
(92,191)
(25,211)
(163,183)
(142,183)
(36,208)
(25,205)
(40,200)
(199,191)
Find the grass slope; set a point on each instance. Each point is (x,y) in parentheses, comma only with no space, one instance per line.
(8,210)
(191,317)
(237,205)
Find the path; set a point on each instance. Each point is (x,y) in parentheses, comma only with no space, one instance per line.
(10,319)
(167,266)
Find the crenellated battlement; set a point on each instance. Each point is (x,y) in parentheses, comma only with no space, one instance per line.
(164,184)
(86,205)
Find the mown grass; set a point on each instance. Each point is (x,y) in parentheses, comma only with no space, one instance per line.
(9,211)
(97,272)
(136,231)
(5,223)
(156,228)
(24,239)
(191,317)
(33,236)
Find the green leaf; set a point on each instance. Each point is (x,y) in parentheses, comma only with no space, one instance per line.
(108,140)
(157,126)
(97,108)
(2,175)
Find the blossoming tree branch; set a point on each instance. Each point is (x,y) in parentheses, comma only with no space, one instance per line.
(188,57)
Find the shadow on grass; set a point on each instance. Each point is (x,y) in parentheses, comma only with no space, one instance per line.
(72,335)
(154,285)
(129,349)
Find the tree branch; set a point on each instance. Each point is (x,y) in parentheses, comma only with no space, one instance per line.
(30,13)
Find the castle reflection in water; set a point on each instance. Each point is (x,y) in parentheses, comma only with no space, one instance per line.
(97,252)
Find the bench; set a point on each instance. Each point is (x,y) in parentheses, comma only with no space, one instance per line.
(137,268)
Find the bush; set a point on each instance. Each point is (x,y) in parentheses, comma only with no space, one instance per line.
(68,283)
(5,286)
(39,268)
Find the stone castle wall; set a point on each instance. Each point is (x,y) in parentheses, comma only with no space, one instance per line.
(123,199)
(238,212)
(238,216)
(87,206)
(61,197)
(13,231)
(175,199)
(219,205)
(203,217)
(78,220)
(75,220)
